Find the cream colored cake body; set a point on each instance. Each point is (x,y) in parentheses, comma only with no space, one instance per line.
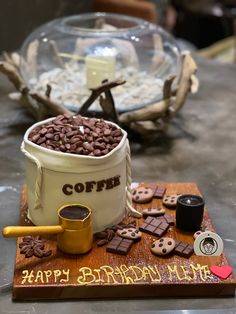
(54,179)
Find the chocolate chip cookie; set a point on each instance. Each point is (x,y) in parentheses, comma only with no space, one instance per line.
(130,233)
(142,194)
(170,200)
(159,211)
(163,246)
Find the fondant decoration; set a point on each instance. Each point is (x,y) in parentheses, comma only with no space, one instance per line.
(208,243)
(31,246)
(130,233)
(154,226)
(52,176)
(158,190)
(189,212)
(134,185)
(119,245)
(163,246)
(170,200)
(168,219)
(142,194)
(222,272)
(139,274)
(152,211)
(197,233)
(74,231)
(183,249)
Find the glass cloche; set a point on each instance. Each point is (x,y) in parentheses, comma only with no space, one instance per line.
(76,53)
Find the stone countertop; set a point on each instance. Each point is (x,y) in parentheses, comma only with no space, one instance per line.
(199,146)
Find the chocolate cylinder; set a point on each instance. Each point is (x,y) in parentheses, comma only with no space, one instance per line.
(189,212)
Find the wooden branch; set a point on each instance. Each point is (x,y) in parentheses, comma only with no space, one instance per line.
(167,88)
(189,68)
(108,105)
(31,58)
(48,90)
(147,127)
(52,106)
(96,92)
(150,112)
(194,84)
(16,59)
(13,75)
(154,111)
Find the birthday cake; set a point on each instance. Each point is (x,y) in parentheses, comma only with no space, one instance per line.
(164,245)
(72,159)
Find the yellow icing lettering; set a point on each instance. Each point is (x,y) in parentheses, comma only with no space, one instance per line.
(186,273)
(174,271)
(125,269)
(57,274)
(48,274)
(137,271)
(99,279)
(39,276)
(197,269)
(27,277)
(109,271)
(67,275)
(202,270)
(207,272)
(148,272)
(155,272)
(118,272)
(87,276)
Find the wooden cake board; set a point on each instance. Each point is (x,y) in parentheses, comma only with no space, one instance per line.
(99,274)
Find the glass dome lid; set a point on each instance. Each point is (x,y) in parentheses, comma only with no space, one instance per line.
(76,53)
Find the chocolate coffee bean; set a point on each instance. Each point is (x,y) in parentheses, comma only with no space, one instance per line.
(102,242)
(33,247)
(77,135)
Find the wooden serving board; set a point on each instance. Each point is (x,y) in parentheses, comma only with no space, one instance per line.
(99,274)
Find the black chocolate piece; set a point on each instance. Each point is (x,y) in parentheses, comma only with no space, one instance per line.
(154,226)
(183,249)
(119,245)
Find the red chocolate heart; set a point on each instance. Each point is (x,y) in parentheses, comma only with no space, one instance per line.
(222,272)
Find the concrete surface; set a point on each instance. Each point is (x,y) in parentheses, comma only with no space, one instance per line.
(199,146)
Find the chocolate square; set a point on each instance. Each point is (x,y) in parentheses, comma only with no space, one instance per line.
(154,226)
(169,219)
(119,245)
(183,249)
(158,191)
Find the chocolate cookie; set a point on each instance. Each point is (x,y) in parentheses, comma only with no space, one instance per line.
(153,211)
(130,233)
(170,200)
(142,194)
(163,246)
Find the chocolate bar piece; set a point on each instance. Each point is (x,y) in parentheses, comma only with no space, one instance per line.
(119,245)
(159,191)
(154,226)
(183,249)
(169,219)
